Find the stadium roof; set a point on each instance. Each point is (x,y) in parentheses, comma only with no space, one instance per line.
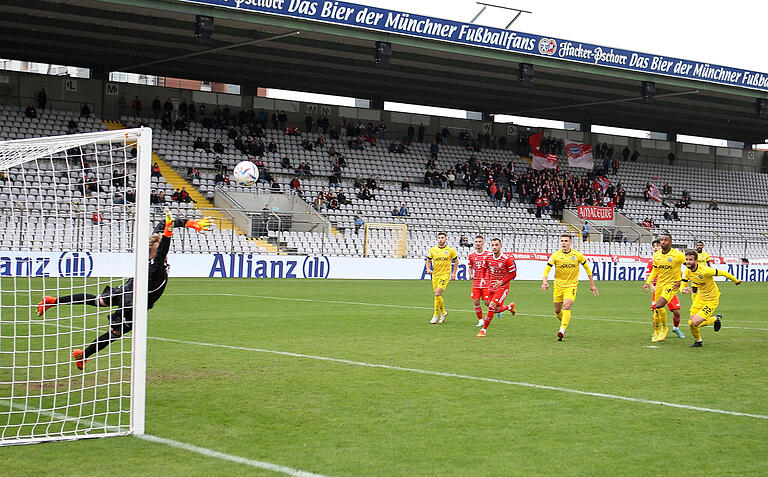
(118,35)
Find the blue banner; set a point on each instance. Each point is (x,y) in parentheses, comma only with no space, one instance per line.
(389,21)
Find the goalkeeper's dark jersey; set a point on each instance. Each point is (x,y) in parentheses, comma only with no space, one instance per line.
(158,268)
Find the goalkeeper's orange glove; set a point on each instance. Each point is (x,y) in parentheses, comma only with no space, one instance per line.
(168,230)
(201,225)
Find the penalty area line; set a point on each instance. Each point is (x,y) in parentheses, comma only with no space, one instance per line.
(410,307)
(468,377)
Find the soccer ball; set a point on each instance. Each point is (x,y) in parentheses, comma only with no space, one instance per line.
(246,173)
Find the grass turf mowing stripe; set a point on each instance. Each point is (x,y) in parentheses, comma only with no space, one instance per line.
(410,307)
(474,378)
(95,425)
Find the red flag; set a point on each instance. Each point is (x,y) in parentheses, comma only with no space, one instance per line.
(540,160)
(653,192)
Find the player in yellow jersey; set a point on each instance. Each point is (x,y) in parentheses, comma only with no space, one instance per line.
(666,270)
(706,297)
(703,256)
(566,262)
(440,260)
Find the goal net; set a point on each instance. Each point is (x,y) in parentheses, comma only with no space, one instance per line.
(385,240)
(74,219)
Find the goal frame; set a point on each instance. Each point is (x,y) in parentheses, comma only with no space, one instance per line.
(400,249)
(16,152)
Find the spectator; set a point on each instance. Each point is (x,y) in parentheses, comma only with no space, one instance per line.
(296,185)
(308,123)
(97,218)
(3,176)
(464,242)
(136,107)
(635,156)
(451,178)
(539,206)
(156,170)
(648,223)
(72,124)
(193,173)
(585,232)
(365,194)
(358,221)
(306,144)
(403,212)
(161,197)
(405,185)
(434,149)
(184,196)
(156,107)
(674,215)
(221,179)
(42,99)
(272,147)
(421,132)
(181,122)
(176,195)
(285,162)
(218,147)
(671,158)
(320,202)
(217,164)
(30,112)
(168,106)
(275,186)
(183,107)
(499,196)
(667,215)
(358,184)
(625,153)
(85,111)
(615,166)
(667,189)
(713,204)
(342,198)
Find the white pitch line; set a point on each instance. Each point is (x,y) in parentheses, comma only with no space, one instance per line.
(232,458)
(410,307)
(95,425)
(473,378)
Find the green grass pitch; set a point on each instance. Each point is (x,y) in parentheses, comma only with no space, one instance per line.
(343,418)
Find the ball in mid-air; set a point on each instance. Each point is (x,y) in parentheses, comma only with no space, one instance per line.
(246,173)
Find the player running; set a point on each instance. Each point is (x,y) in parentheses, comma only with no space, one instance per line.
(703,256)
(566,262)
(121,321)
(673,305)
(501,270)
(478,271)
(440,260)
(666,266)
(706,297)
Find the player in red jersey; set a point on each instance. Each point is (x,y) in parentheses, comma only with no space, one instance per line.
(477,272)
(501,270)
(673,305)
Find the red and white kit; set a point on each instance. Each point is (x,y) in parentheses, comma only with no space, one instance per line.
(500,268)
(480,285)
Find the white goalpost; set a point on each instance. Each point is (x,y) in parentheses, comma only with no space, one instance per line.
(74,219)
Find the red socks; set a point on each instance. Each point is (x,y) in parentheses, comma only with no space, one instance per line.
(479,312)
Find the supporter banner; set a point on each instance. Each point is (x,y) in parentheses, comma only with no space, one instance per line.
(390,21)
(540,160)
(580,155)
(653,193)
(529,266)
(588,212)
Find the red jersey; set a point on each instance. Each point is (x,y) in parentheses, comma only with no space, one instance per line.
(501,268)
(477,262)
(649,269)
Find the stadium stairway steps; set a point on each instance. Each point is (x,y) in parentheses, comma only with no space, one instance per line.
(178,182)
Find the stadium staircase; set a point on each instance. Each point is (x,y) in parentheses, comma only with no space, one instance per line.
(178,182)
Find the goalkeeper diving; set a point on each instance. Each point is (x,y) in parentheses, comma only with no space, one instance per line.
(121,321)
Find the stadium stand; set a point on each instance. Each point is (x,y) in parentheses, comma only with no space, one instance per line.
(735,226)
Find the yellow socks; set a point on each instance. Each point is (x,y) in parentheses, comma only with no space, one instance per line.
(662,313)
(695,331)
(566,317)
(559,315)
(439,306)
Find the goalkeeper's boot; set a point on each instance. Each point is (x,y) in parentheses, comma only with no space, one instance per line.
(718,323)
(433,320)
(45,303)
(678,332)
(442,318)
(481,333)
(79,361)
(696,344)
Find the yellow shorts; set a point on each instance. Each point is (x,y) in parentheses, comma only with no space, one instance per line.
(564,293)
(667,293)
(441,282)
(705,309)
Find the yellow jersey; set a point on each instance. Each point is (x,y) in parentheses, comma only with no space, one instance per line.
(566,267)
(703,259)
(441,260)
(666,267)
(702,280)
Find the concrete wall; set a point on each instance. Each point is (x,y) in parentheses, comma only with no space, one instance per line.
(20,89)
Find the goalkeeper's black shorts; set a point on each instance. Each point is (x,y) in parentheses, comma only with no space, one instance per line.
(122,297)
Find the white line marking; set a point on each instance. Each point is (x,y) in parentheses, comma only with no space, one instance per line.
(474,378)
(409,307)
(95,425)
(653,346)
(232,458)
